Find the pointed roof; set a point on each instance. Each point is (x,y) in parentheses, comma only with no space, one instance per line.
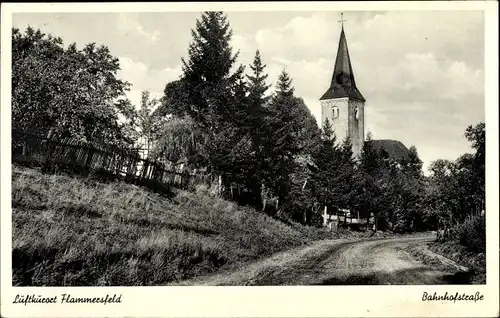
(343,83)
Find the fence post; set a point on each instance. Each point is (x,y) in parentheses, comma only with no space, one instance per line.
(24,148)
(47,156)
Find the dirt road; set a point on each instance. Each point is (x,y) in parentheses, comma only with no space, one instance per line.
(345,262)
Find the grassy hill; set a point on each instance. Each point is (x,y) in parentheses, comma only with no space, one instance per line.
(79,232)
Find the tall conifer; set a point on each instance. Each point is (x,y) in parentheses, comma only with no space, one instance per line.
(282,145)
(207,72)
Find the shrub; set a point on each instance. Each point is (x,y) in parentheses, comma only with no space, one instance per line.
(471,233)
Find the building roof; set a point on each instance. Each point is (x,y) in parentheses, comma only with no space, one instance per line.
(396,149)
(343,83)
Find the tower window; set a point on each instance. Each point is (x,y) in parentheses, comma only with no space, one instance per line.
(335,111)
(356,112)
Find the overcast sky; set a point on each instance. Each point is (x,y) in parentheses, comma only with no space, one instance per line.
(422,73)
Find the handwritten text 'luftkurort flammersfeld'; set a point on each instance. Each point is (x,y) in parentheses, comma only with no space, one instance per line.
(67,299)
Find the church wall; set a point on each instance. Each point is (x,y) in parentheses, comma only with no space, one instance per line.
(339,124)
(346,122)
(356,127)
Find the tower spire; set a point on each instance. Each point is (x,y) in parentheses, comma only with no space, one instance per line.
(343,83)
(342,104)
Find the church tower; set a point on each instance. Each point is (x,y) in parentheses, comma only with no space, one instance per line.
(343,104)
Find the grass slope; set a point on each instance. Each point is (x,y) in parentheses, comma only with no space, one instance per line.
(475,262)
(78,232)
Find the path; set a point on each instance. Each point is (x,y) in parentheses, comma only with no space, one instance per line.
(343,262)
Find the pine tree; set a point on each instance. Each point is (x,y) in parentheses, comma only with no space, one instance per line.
(310,134)
(328,134)
(347,154)
(241,102)
(257,82)
(347,175)
(373,181)
(207,72)
(258,99)
(371,160)
(282,145)
(284,86)
(256,122)
(214,95)
(246,165)
(327,158)
(336,176)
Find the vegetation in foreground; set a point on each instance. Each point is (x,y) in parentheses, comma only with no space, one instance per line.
(467,246)
(75,231)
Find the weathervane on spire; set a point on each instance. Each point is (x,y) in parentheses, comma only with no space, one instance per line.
(342,19)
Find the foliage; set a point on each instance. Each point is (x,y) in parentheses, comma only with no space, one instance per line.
(282,145)
(175,100)
(180,141)
(309,136)
(456,188)
(257,84)
(471,233)
(455,195)
(225,109)
(67,92)
(148,120)
(326,158)
(207,73)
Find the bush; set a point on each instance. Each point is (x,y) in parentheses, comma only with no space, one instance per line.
(471,233)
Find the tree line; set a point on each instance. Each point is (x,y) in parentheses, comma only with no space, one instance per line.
(225,119)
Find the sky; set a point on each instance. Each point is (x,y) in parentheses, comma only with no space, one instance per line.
(422,73)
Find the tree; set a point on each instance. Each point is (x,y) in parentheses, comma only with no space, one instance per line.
(302,197)
(309,136)
(208,89)
(348,178)
(242,115)
(413,165)
(181,141)
(175,100)
(207,72)
(327,158)
(346,147)
(412,191)
(375,182)
(34,56)
(256,122)
(257,84)
(282,146)
(257,101)
(148,121)
(476,135)
(371,158)
(213,92)
(456,188)
(66,92)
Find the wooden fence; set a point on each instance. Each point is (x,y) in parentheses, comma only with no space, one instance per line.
(102,161)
